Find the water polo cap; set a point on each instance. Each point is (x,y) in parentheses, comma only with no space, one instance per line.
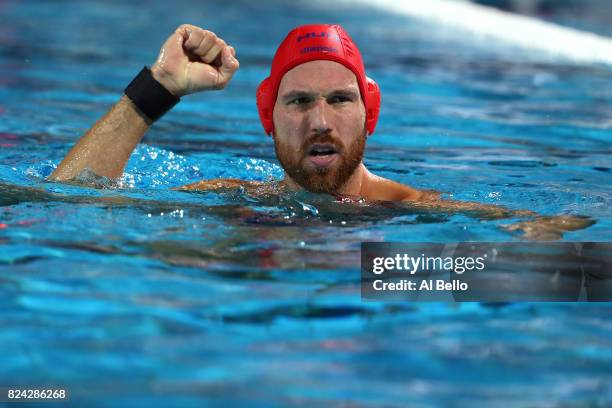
(317,42)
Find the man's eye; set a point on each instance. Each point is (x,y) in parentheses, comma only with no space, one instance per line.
(299,101)
(339,99)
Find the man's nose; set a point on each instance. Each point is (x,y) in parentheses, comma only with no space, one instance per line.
(319,116)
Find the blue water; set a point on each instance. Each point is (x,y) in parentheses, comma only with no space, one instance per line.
(138,295)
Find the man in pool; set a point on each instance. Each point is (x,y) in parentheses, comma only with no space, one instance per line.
(317,104)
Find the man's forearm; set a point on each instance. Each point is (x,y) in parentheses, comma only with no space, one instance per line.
(107,146)
(431,201)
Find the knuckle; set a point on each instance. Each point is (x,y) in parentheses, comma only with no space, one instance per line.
(183,27)
(199,42)
(210,34)
(206,42)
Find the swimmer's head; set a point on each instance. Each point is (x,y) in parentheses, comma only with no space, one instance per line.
(310,43)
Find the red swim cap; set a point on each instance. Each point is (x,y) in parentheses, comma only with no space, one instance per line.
(317,42)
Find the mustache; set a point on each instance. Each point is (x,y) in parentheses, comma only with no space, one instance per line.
(322,138)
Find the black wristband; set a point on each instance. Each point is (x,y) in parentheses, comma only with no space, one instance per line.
(150,96)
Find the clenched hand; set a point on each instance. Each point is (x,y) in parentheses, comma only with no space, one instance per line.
(193,59)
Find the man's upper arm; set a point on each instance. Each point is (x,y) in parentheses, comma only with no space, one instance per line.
(422,195)
(218,184)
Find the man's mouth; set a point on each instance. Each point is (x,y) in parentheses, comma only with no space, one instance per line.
(322,154)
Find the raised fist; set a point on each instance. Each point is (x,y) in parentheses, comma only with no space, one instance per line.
(193,59)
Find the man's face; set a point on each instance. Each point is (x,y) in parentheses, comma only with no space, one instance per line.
(319,125)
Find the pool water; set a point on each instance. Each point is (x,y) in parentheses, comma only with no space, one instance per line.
(134,294)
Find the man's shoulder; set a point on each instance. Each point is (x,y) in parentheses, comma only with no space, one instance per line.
(383,189)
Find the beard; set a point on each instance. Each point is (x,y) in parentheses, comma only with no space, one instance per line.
(327,179)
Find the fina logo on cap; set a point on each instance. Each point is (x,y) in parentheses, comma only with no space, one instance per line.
(321,48)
